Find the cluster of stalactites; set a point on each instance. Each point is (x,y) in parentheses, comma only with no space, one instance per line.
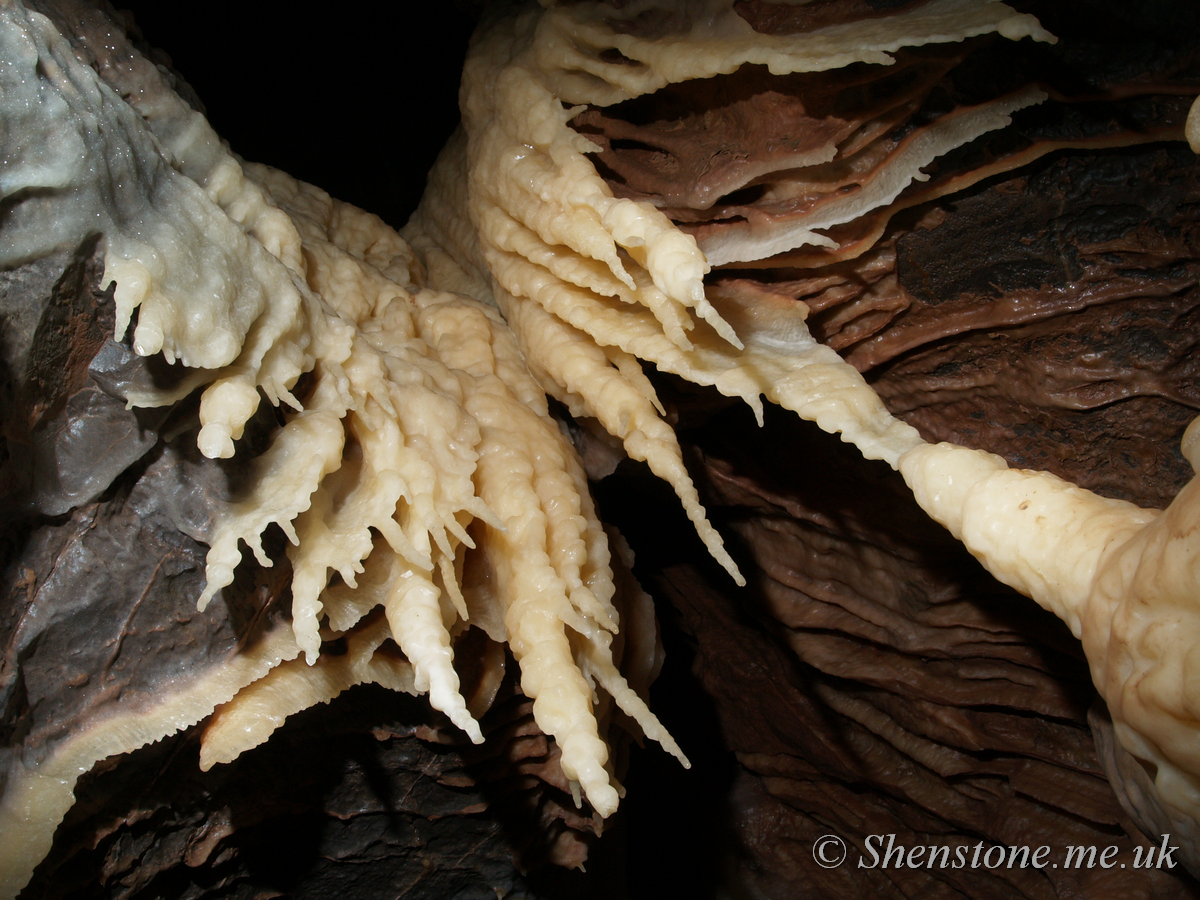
(591,284)
(420,446)
(416,448)
(423,441)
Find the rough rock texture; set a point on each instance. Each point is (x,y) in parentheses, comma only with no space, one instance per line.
(750,149)
(106,511)
(1093,378)
(871,680)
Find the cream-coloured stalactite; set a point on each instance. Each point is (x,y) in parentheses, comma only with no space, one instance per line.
(1125,580)
(551,556)
(294,685)
(529,72)
(422,420)
(409,476)
(569,263)
(588,60)
(541,220)
(418,408)
(780,360)
(512,448)
(191,243)
(456,364)
(1192,126)
(608,384)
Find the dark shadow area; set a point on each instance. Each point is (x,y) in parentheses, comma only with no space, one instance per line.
(358,103)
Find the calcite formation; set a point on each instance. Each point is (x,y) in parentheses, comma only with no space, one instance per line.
(612,214)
